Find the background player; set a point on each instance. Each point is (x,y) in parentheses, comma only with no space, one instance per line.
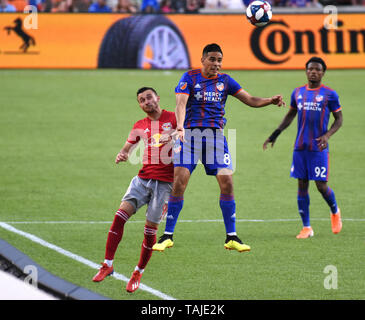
(152,185)
(200,106)
(313,103)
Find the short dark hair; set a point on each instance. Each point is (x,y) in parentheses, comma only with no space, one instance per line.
(213,47)
(316,60)
(143,89)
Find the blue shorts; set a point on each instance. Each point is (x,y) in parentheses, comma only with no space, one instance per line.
(310,165)
(208,145)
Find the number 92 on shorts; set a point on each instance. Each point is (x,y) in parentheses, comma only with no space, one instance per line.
(310,165)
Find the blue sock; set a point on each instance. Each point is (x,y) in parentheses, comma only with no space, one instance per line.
(303,207)
(173,210)
(228,207)
(330,198)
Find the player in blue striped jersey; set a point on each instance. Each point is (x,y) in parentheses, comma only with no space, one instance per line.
(205,107)
(201,95)
(313,103)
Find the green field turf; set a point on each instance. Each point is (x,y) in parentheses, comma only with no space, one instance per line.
(61,130)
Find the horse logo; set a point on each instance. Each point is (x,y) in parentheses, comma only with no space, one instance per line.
(18,30)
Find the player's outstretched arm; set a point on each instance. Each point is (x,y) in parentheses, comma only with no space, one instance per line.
(322,141)
(257,102)
(123,154)
(289,117)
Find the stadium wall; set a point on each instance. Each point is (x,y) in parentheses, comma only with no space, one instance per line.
(89,41)
(14,262)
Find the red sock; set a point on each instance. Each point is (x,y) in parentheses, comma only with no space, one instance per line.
(148,242)
(115,234)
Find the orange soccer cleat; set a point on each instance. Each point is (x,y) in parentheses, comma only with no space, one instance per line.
(133,283)
(336,221)
(104,271)
(305,233)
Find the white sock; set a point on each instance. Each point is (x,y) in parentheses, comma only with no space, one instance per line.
(138,269)
(108,262)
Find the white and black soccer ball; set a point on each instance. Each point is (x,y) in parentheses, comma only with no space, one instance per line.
(259,13)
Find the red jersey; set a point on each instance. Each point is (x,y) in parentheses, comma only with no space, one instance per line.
(157,157)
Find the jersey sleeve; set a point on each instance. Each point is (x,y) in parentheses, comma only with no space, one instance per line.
(233,86)
(135,134)
(184,85)
(334,102)
(293,100)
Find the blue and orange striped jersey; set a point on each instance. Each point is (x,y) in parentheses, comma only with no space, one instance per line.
(314,107)
(207,98)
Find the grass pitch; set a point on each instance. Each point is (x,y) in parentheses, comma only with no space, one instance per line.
(61,130)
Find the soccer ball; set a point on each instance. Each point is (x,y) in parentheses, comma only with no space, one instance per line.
(259,13)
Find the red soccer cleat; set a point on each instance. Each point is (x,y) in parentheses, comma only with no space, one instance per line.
(104,271)
(134,281)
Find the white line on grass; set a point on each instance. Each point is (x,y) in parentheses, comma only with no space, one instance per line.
(80,259)
(183,221)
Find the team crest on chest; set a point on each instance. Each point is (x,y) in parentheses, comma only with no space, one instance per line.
(166,126)
(220,86)
(319,98)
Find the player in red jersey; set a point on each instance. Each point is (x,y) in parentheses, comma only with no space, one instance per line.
(152,185)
